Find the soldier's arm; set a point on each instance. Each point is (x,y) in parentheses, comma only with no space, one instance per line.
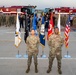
(62,41)
(27,40)
(49,41)
(38,39)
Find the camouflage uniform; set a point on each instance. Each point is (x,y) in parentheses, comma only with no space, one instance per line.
(55,43)
(32,47)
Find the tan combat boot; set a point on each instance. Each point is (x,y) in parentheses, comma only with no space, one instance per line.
(28,69)
(36,70)
(50,66)
(59,71)
(49,69)
(59,68)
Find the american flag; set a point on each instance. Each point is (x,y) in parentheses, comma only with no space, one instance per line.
(67,31)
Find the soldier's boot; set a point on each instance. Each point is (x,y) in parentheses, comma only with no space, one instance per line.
(59,68)
(36,69)
(49,69)
(28,69)
(50,66)
(59,71)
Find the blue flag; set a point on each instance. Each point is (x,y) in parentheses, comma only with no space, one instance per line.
(35,24)
(42,20)
(42,33)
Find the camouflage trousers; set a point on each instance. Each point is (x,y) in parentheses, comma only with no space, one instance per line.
(30,55)
(58,57)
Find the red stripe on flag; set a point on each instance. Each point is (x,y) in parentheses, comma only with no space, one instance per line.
(66,33)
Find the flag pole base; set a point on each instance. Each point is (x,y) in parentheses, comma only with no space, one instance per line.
(18,56)
(43,56)
(67,56)
(26,56)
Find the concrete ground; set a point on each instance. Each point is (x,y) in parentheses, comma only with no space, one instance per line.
(18,67)
(10,65)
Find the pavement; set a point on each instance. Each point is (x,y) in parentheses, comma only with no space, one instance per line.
(10,65)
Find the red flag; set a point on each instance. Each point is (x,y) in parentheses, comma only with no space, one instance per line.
(50,28)
(66,33)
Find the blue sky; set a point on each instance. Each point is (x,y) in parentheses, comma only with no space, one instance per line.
(41,4)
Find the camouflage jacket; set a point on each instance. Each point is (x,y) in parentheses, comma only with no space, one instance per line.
(55,42)
(32,43)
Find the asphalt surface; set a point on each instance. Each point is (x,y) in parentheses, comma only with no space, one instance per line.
(10,65)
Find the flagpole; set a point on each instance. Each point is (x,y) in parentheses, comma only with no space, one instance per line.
(67,55)
(67,52)
(42,52)
(58,24)
(17,37)
(26,32)
(67,30)
(42,37)
(26,55)
(18,52)
(43,55)
(18,55)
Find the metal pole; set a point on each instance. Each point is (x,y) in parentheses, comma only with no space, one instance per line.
(42,51)
(67,53)
(18,52)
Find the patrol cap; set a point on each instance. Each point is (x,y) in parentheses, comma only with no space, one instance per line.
(56,27)
(31,29)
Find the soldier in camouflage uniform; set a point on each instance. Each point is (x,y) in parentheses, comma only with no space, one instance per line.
(32,45)
(55,43)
